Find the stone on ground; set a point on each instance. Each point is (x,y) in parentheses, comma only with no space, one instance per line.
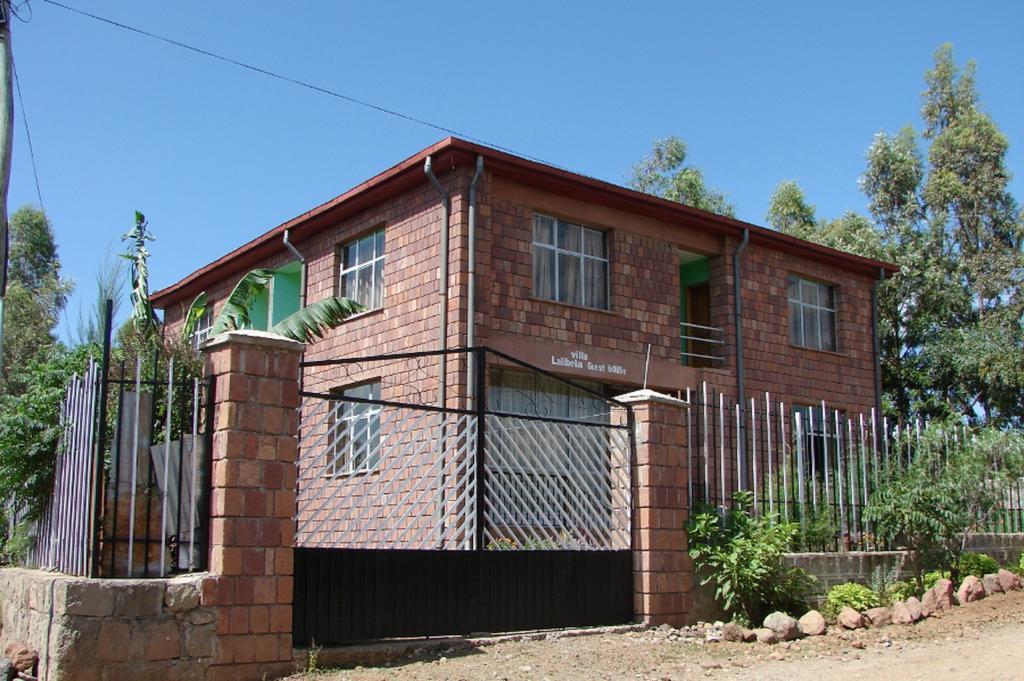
(929,603)
(812,623)
(901,613)
(732,632)
(765,635)
(878,617)
(21,656)
(851,619)
(943,594)
(970,590)
(784,626)
(1008,580)
(914,606)
(992,584)
(749,636)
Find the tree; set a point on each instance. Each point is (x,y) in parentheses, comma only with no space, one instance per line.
(304,325)
(664,173)
(789,212)
(36,296)
(108,287)
(951,489)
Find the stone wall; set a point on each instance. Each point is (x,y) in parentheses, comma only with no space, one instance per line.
(98,629)
(1005,548)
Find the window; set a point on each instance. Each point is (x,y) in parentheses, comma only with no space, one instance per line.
(812,314)
(203,326)
(354,431)
(570,263)
(820,437)
(362,270)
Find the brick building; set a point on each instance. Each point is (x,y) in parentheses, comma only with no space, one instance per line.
(591,280)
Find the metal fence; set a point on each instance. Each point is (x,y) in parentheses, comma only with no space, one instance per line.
(810,464)
(411,474)
(63,534)
(131,486)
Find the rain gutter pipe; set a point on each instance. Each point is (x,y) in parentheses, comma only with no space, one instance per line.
(875,343)
(741,392)
(442,393)
(471,313)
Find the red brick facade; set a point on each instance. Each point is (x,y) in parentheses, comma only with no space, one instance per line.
(645,242)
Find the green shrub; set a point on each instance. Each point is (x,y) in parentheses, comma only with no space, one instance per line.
(901,591)
(741,554)
(1020,565)
(977,564)
(856,596)
(931,577)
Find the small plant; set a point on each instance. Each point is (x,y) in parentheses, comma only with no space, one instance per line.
(851,594)
(313,657)
(741,554)
(887,585)
(977,564)
(1020,565)
(901,591)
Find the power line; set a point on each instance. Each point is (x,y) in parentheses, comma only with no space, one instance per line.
(294,81)
(28,132)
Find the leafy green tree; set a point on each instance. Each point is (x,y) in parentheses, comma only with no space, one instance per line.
(36,296)
(789,212)
(665,173)
(951,489)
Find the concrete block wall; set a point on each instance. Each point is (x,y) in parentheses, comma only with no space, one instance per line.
(100,629)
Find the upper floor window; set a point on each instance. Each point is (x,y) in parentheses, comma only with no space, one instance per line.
(570,263)
(812,314)
(362,270)
(203,326)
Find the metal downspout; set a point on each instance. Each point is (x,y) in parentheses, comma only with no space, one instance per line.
(302,290)
(875,343)
(442,393)
(471,311)
(741,389)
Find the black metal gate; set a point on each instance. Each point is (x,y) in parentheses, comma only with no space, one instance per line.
(502,514)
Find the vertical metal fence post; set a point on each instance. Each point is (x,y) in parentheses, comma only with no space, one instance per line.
(480,390)
(101,444)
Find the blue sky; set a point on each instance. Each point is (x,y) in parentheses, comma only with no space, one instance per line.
(215,155)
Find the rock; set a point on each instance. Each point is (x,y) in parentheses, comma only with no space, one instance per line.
(929,603)
(21,656)
(851,619)
(914,606)
(901,613)
(784,626)
(777,656)
(970,590)
(732,632)
(1008,580)
(181,597)
(812,624)
(765,636)
(7,671)
(878,617)
(943,594)
(749,636)
(858,644)
(992,584)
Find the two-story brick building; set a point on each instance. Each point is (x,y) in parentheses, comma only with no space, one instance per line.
(585,278)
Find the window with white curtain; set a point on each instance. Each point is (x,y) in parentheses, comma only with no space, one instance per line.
(362,270)
(570,263)
(812,314)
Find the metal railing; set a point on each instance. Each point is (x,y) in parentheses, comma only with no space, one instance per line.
(700,342)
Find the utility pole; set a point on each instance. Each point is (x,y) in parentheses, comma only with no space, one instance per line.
(6,135)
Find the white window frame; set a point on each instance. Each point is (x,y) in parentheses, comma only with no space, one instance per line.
(818,309)
(344,421)
(359,265)
(583,258)
(202,331)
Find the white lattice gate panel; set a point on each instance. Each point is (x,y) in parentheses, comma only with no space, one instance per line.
(383,476)
(553,484)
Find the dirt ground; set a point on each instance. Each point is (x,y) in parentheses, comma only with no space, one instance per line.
(983,641)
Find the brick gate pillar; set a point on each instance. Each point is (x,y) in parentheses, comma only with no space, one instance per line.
(252,528)
(662,569)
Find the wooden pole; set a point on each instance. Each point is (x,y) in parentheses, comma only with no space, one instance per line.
(6,135)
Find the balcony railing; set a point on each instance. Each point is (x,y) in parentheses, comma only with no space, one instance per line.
(701,342)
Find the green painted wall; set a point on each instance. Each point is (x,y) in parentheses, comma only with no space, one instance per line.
(259,310)
(286,292)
